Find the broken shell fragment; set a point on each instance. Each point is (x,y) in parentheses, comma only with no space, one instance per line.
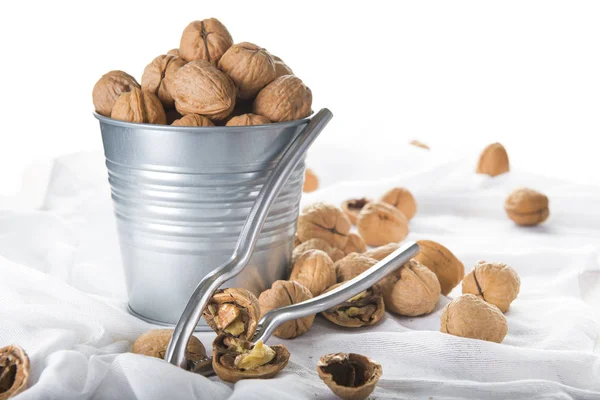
(14,371)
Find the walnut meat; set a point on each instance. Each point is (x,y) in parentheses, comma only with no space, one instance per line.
(352,265)
(139,106)
(193,120)
(380,223)
(205,40)
(247,120)
(526,207)
(311,181)
(14,371)
(493,160)
(157,76)
(233,311)
(355,244)
(495,283)
(281,68)
(285,293)
(364,309)
(317,244)
(470,317)
(350,376)
(352,208)
(200,88)
(154,344)
(324,221)
(287,98)
(381,252)
(108,89)
(314,269)
(448,269)
(403,200)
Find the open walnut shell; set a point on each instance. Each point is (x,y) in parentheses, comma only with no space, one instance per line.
(205,40)
(350,376)
(139,106)
(14,371)
(364,309)
(108,89)
(352,208)
(233,311)
(234,359)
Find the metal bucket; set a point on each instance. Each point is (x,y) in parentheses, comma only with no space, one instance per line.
(181,196)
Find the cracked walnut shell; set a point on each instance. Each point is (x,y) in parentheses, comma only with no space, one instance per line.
(317,244)
(352,265)
(350,376)
(324,221)
(364,309)
(14,371)
(233,311)
(285,293)
(526,207)
(495,283)
(193,120)
(139,106)
(108,89)
(205,40)
(311,181)
(247,120)
(154,344)
(352,208)
(403,200)
(287,98)
(380,223)
(470,317)
(448,269)
(314,269)
(158,74)
(249,66)
(355,244)
(493,160)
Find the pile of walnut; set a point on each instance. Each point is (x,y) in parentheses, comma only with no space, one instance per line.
(207,81)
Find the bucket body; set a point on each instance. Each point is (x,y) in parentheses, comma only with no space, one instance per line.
(181,196)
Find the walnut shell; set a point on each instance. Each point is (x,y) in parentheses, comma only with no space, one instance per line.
(324,221)
(287,98)
(154,344)
(193,120)
(403,200)
(311,181)
(493,160)
(205,40)
(200,88)
(247,120)
(285,293)
(448,269)
(381,252)
(281,68)
(14,371)
(419,144)
(174,52)
(352,265)
(350,376)
(364,309)
(314,269)
(108,89)
(317,244)
(230,305)
(411,291)
(353,207)
(495,283)
(139,106)
(526,207)
(470,317)
(380,223)
(158,74)
(355,244)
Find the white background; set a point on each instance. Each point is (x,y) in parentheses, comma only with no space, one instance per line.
(456,75)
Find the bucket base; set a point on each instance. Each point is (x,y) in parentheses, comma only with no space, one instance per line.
(201,327)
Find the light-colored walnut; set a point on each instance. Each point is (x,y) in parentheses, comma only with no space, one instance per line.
(324,221)
(314,269)
(193,120)
(247,120)
(285,293)
(448,269)
(355,244)
(311,181)
(14,371)
(403,200)
(493,160)
(380,223)
(412,291)
(287,98)
(495,283)
(205,40)
(316,244)
(157,76)
(526,207)
(139,106)
(108,89)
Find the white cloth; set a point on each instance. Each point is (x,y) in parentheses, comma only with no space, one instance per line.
(62,293)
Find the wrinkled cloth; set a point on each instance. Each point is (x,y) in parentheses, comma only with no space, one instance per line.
(63,296)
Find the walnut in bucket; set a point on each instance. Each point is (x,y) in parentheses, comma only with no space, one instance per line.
(233,311)
(364,309)
(350,376)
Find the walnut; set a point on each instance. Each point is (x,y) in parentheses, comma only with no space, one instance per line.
(193,120)
(352,208)
(419,144)
(109,87)
(205,40)
(352,265)
(139,106)
(470,317)
(413,290)
(236,359)
(526,207)
(14,371)
(495,283)
(174,52)
(448,269)
(200,88)
(158,74)
(297,241)
(355,244)
(287,98)
(314,269)
(493,160)
(364,309)
(380,223)
(285,293)
(154,344)
(403,200)
(350,376)
(233,311)
(324,221)
(381,252)
(281,68)
(311,181)
(247,120)
(317,244)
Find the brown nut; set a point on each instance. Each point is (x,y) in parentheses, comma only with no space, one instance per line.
(355,244)
(352,265)
(174,52)
(493,160)
(287,98)
(314,269)
(352,208)
(193,120)
(108,89)
(381,252)
(281,68)
(158,74)
(470,317)
(324,221)
(380,223)
(154,344)
(350,376)
(317,244)
(200,88)
(14,371)
(526,207)
(236,359)
(285,293)
(448,269)
(233,311)
(139,106)
(412,291)
(311,181)
(249,66)
(364,309)
(495,283)
(247,120)
(205,40)
(419,144)
(403,200)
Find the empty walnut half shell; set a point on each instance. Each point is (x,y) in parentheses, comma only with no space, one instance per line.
(14,371)
(352,208)
(350,376)
(285,293)
(233,311)
(154,344)
(317,244)
(236,359)
(364,309)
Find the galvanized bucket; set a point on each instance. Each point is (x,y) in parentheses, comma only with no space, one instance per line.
(181,196)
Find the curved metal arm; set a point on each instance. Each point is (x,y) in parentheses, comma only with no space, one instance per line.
(248,237)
